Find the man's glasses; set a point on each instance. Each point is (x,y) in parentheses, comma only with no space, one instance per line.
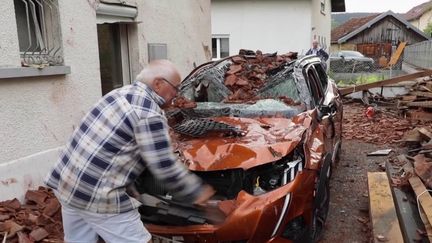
(171,84)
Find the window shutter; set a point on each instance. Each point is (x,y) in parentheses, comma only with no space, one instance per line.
(115,13)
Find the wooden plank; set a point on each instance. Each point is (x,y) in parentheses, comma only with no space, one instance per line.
(396,55)
(421,94)
(406,207)
(383,215)
(420,115)
(425,104)
(425,200)
(424,197)
(395,80)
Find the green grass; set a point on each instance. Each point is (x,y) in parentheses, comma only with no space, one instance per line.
(362,79)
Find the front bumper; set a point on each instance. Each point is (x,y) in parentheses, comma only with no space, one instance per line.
(251,218)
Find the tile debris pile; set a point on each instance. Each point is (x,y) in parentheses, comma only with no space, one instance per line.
(417,104)
(249,72)
(38,220)
(412,173)
(419,143)
(383,128)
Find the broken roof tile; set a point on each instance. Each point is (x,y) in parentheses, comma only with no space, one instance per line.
(233,69)
(230,80)
(23,238)
(36,196)
(39,234)
(51,207)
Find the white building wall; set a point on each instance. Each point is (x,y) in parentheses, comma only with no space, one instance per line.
(39,113)
(184,25)
(321,23)
(267,25)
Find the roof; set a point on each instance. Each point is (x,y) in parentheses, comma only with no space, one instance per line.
(349,26)
(338,5)
(367,22)
(418,11)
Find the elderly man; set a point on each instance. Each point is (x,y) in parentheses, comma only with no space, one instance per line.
(316,50)
(121,136)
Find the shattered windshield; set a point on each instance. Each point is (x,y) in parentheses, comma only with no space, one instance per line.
(244,86)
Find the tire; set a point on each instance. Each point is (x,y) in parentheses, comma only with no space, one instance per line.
(322,202)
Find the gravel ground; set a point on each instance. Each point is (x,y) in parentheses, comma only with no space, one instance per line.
(348,219)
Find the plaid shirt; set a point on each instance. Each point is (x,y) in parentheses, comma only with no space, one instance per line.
(122,135)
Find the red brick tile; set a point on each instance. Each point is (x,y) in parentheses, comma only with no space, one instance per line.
(38,234)
(230,80)
(36,196)
(11,204)
(233,69)
(51,207)
(24,238)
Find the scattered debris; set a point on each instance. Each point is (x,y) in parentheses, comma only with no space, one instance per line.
(382,152)
(384,128)
(38,220)
(382,238)
(182,102)
(423,168)
(249,72)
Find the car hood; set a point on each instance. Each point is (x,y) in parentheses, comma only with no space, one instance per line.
(265,140)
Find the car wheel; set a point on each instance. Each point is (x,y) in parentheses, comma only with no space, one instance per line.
(322,204)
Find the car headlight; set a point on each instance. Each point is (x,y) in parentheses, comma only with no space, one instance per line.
(268,177)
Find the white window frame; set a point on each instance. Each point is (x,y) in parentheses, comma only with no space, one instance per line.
(125,54)
(218,45)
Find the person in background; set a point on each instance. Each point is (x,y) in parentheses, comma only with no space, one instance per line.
(316,50)
(122,135)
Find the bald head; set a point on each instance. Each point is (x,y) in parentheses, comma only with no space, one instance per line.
(163,77)
(315,44)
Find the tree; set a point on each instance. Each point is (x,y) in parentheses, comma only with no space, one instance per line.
(428,29)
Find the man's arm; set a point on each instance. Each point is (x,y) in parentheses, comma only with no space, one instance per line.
(325,55)
(153,139)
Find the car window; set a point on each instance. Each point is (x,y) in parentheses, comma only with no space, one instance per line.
(314,85)
(322,76)
(281,87)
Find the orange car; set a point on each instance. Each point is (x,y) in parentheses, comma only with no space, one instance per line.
(264,130)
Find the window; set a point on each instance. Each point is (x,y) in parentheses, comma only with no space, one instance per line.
(113,56)
(323,6)
(39,32)
(322,76)
(314,86)
(220,46)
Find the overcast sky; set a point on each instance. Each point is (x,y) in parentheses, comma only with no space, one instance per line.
(397,6)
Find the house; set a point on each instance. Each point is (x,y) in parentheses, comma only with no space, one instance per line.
(271,25)
(375,35)
(58,57)
(420,16)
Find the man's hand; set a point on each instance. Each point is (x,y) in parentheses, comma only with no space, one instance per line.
(207,192)
(132,191)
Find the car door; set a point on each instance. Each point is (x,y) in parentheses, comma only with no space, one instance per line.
(327,100)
